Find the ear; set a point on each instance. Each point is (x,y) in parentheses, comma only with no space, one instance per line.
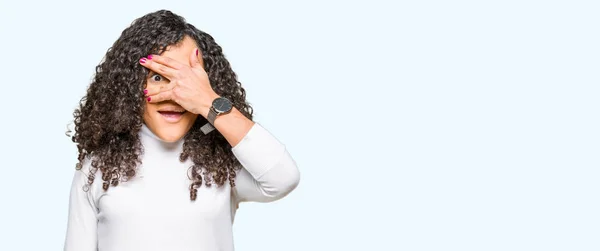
(195,59)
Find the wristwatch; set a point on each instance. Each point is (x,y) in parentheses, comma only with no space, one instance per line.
(219,106)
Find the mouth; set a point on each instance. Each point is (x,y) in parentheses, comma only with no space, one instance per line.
(172,115)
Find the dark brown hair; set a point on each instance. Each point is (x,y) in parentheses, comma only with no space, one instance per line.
(110,115)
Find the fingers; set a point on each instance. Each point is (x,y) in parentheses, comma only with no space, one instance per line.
(159,97)
(161,65)
(152,90)
(176,72)
(167,61)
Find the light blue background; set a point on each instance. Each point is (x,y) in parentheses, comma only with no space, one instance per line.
(417,125)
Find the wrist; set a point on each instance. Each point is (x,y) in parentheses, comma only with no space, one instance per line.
(207,105)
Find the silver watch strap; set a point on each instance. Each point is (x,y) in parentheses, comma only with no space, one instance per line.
(212,115)
(206,128)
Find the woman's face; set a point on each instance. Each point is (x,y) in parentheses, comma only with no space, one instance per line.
(165,118)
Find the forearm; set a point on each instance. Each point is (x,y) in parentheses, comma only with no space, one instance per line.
(233,126)
(269,172)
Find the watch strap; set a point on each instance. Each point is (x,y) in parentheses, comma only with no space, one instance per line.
(206,128)
(212,115)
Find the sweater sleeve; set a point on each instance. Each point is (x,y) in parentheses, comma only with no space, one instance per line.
(268,171)
(82,221)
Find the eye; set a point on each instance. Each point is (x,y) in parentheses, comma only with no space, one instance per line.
(156,78)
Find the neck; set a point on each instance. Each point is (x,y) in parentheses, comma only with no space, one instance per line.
(155,144)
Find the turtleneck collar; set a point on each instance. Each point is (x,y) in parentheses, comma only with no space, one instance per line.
(153,143)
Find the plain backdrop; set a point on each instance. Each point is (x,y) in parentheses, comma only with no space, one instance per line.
(417,125)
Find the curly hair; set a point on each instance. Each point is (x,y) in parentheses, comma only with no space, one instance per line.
(110,115)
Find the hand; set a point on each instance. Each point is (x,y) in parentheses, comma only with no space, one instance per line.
(189,86)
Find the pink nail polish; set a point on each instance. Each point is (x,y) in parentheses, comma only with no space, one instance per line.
(149,98)
(143,60)
(145,91)
(149,57)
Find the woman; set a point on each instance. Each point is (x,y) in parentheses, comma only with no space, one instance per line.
(167,146)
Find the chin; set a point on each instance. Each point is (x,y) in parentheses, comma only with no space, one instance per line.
(170,136)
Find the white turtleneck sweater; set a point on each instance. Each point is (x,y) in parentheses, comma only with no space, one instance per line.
(153,211)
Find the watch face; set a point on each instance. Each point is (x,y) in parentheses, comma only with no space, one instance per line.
(222,105)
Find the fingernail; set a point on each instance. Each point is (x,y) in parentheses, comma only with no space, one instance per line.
(196,52)
(149,57)
(143,60)
(149,98)
(145,91)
